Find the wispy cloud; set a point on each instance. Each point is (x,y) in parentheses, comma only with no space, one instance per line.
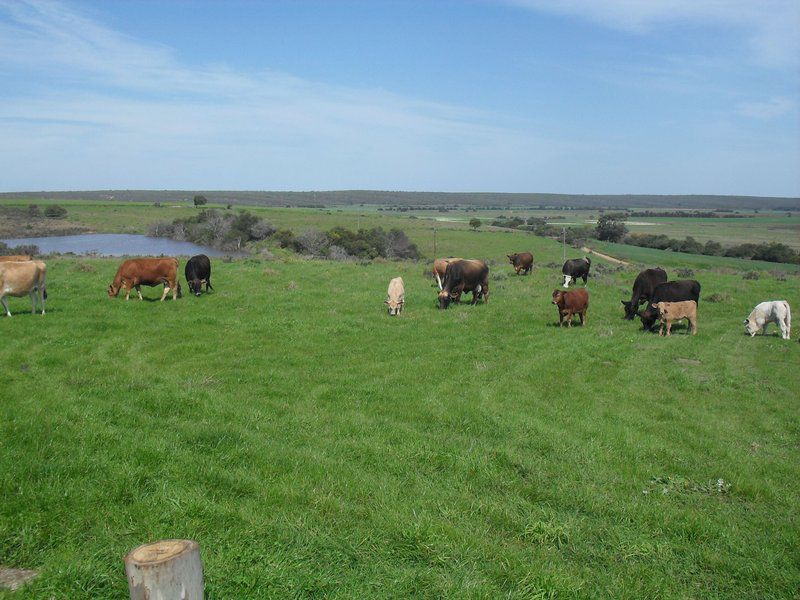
(112,99)
(770,109)
(770,27)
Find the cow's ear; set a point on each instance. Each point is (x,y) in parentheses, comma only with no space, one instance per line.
(386,302)
(745,321)
(654,305)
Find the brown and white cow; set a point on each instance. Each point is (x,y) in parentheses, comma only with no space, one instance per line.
(440,268)
(136,272)
(675,311)
(465,275)
(571,302)
(15,258)
(522,261)
(395,296)
(23,277)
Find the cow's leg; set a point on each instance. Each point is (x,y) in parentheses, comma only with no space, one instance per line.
(42,294)
(166,290)
(560,318)
(693,323)
(208,284)
(175,291)
(582,316)
(784,329)
(669,327)
(5,305)
(128,292)
(33,300)
(139,291)
(569,319)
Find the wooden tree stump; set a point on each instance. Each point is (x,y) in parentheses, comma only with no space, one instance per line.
(165,570)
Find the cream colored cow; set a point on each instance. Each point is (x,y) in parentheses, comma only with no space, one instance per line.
(20,278)
(396,296)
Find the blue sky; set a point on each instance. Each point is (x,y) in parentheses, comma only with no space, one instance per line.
(576,96)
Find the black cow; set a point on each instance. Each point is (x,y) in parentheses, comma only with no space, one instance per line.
(576,268)
(670,291)
(198,271)
(643,288)
(465,276)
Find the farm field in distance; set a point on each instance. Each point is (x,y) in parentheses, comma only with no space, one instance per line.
(316,447)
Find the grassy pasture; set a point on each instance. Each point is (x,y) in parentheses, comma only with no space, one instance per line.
(316,447)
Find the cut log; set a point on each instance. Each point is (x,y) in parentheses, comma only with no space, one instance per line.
(165,570)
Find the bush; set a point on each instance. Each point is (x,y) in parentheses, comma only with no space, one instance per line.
(54,211)
(200,200)
(716,297)
(34,210)
(751,275)
(684,272)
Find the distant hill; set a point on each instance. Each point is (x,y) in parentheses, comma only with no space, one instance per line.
(475,199)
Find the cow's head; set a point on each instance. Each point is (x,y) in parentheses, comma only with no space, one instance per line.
(113,292)
(444,299)
(512,258)
(750,327)
(567,280)
(558,297)
(648,316)
(395,306)
(195,286)
(630,309)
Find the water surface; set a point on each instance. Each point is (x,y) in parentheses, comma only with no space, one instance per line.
(114,244)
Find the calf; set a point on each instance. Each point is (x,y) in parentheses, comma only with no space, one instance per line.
(522,261)
(198,272)
(20,278)
(571,302)
(675,311)
(670,291)
(395,296)
(776,311)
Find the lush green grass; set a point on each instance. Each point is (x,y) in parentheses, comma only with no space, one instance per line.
(316,447)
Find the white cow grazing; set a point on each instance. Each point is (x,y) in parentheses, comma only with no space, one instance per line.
(776,311)
(23,278)
(396,296)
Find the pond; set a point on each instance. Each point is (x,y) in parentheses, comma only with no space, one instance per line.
(114,244)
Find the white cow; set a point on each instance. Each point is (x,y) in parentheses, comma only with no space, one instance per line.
(776,311)
(396,296)
(23,278)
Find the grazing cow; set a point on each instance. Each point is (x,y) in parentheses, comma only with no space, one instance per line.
(15,258)
(465,276)
(670,291)
(137,272)
(675,311)
(571,302)
(576,268)
(198,272)
(643,288)
(440,267)
(23,277)
(776,311)
(522,261)
(396,296)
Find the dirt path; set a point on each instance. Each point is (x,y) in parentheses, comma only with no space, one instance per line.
(606,256)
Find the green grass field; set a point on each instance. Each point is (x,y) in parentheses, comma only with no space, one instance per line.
(315,447)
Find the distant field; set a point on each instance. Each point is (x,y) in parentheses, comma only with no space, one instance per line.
(316,447)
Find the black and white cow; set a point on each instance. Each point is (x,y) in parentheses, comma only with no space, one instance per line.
(576,268)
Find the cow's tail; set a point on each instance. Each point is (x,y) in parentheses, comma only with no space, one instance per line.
(788,316)
(588,260)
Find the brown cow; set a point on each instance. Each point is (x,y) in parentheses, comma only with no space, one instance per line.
(15,258)
(137,272)
(20,278)
(439,269)
(522,261)
(571,302)
(675,311)
(465,276)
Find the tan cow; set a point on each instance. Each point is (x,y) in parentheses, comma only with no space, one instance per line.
(137,272)
(23,277)
(675,311)
(440,268)
(396,296)
(15,258)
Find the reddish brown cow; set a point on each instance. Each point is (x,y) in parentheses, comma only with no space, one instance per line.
(439,269)
(137,272)
(15,257)
(571,302)
(522,261)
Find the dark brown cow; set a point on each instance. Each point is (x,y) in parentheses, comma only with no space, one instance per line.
(571,302)
(522,261)
(465,276)
(137,272)
(15,258)
(440,267)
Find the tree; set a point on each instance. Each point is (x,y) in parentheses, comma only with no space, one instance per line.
(200,200)
(611,227)
(475,223)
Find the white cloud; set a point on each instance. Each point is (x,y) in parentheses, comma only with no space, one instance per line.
(770,109)
(771,27)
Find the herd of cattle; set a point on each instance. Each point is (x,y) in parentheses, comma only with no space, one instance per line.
(665,301)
